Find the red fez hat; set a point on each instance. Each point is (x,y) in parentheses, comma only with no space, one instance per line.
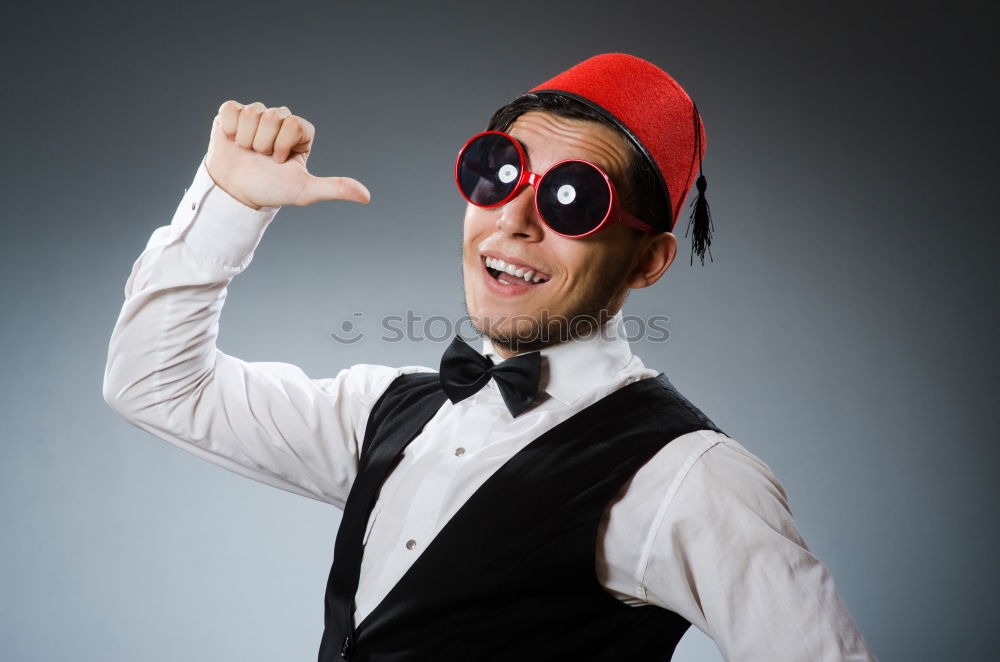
(649,107)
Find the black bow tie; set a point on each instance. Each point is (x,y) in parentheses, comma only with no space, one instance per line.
(464,371)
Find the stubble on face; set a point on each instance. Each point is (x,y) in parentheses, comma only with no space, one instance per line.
(544,328)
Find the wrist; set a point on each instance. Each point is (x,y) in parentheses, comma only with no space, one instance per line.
(218,226)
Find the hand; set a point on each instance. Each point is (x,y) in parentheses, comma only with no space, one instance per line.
(258,155)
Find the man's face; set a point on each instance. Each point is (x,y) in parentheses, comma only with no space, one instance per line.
(581,277)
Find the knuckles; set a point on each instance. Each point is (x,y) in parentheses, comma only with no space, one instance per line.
(230,106)
(254,109)
(293,127)
(276,114)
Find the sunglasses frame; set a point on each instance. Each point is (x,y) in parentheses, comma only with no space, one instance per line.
(613,214)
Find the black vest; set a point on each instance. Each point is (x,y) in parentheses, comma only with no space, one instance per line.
(511,576)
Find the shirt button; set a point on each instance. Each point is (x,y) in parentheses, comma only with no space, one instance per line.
(193,205)
(411,543)
(459,451)
(347,649)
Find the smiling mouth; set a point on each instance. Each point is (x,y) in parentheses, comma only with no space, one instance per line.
(512,274)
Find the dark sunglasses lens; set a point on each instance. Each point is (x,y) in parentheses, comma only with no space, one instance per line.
(574,198)
(488,169)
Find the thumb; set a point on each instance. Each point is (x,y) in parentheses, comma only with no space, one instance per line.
(333,188)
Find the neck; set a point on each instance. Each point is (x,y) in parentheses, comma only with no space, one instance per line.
(504,352)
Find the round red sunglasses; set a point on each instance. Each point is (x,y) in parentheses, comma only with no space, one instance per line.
(575,198)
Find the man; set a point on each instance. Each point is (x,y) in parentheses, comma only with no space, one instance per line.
(553,499)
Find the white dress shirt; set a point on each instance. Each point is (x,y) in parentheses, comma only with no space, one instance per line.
(702,529)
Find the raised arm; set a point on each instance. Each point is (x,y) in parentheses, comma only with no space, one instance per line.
(267,421)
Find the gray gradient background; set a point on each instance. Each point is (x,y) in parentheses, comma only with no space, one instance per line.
(844,333)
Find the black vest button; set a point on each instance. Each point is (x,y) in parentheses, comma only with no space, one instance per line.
(347,648)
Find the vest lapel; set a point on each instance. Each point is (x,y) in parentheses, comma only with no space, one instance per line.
(410,409)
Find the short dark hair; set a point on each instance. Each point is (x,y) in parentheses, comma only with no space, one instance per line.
(647,201)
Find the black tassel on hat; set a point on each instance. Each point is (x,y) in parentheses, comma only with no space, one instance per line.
(701,218)
(701,215)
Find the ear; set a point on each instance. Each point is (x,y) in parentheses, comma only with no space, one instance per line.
(654,256)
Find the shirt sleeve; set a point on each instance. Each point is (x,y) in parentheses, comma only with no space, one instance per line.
(726,554)
(164,373)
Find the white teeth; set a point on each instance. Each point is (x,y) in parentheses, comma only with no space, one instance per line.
(520,272)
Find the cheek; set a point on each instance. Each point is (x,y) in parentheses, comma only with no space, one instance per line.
(475,226)
(574,259)
(588,265)
(468,240)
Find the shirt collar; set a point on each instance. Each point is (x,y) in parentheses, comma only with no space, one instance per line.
(571,368)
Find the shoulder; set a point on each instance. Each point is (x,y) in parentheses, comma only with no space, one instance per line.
(707,472)
(656,483)
(370,381)
(702,479)
(366,383)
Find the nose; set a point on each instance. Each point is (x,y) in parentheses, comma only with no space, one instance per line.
(518,218)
